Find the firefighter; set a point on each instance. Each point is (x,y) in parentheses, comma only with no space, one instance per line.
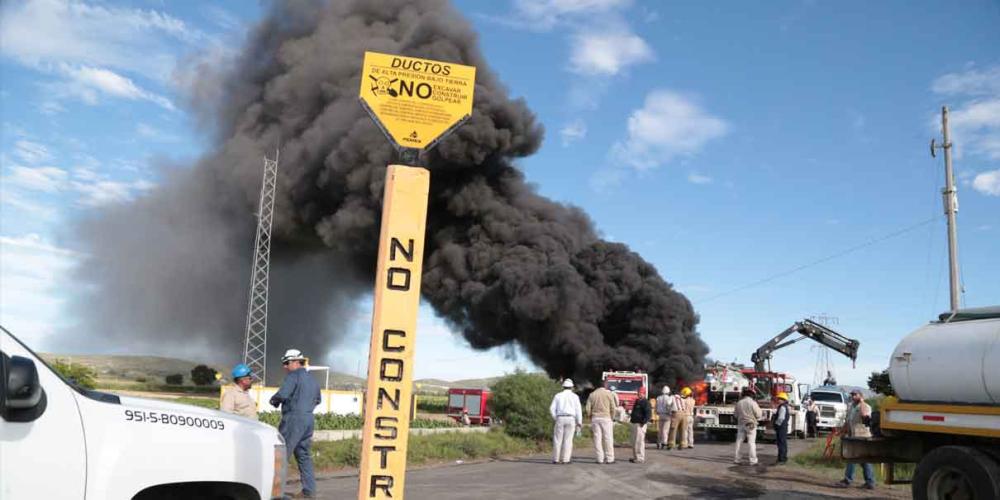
(237,399)
(664,405)
(859,416)
(601,406)
(565,410)
(748,413)
(298,396)
(780,423)
(689,407)
(682,421)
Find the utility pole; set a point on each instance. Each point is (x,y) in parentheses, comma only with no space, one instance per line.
(255,344)
(950,195)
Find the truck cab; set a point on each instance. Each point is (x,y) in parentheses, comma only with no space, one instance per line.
(832,404)
(63,441)
(629,386)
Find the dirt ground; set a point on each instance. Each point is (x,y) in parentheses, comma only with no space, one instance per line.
(707,471)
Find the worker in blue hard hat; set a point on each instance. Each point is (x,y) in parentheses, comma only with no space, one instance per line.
(237,397)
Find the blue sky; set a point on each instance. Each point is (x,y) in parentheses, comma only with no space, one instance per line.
(726,143)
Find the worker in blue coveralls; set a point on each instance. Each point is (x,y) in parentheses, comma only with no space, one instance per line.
(298,395)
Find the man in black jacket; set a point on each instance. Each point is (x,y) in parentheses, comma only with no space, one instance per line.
(641,414)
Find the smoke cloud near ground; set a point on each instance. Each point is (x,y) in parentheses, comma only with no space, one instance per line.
(503,264)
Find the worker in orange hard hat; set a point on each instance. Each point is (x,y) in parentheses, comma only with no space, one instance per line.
(780,423)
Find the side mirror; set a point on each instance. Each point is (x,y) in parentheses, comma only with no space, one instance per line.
(23,397)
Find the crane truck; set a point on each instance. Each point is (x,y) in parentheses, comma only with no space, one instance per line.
(723,383)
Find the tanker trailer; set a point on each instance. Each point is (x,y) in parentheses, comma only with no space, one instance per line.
(945,416)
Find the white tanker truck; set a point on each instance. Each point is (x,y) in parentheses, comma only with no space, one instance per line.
(946,416)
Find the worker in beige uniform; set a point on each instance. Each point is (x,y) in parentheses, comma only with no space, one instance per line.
(237,398)
(664,406)
(601,407)
(748,414)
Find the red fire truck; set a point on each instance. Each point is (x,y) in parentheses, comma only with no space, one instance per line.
(629,386)
(472,400)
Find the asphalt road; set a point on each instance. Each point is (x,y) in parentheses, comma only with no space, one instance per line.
(706,471)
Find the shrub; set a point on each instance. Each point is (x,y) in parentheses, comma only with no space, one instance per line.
(81,375)
(880,383)
(175,379)
(202,375)
(521,401)
(331,422)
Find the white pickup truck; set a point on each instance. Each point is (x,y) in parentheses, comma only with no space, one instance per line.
(59,441)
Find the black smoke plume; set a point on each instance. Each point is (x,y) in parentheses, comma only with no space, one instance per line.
(503,264)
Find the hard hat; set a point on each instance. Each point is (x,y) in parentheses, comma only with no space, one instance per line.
(666,389)
(292,355)
(686,391)
(241,370)
(783,395)
(568,383)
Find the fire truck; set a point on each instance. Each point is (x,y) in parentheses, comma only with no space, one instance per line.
(475,401)
(629,386)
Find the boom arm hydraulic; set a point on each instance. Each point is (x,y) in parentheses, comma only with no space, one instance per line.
(808,329)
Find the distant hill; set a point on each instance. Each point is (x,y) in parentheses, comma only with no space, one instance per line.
(127,367)
(115,367)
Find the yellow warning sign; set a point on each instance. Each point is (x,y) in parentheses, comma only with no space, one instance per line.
(416,101)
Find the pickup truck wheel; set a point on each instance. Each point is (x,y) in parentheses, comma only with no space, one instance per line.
(956,473)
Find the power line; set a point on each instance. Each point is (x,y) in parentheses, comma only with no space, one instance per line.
(841,253)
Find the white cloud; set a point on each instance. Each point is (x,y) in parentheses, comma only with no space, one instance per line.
(31,152)
(607,53)
(573,131)
(988,183)
(33,273)
(696,178)
(45,179)
(545,14)
(95,193)
(87,83)
(45,33)
(668,125)
(975,119)
(150,132)
(971,82)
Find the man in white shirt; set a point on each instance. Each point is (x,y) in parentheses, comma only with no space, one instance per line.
(664,407)
(566,411)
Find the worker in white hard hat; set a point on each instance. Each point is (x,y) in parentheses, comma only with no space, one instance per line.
(298,396)
(664,407)
(565,410)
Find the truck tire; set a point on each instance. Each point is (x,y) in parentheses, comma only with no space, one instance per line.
(956,472)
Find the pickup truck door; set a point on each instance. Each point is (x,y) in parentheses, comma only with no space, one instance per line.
(46,456)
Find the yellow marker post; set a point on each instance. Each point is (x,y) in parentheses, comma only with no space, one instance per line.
(390,358)
(415,102)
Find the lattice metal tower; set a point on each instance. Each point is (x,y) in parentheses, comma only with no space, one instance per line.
(255,346)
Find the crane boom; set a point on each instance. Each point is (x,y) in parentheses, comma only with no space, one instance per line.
(807,329)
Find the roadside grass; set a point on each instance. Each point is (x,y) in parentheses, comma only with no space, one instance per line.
(210,403)
(129,385)
(328,455)
(331,422)
(812,458)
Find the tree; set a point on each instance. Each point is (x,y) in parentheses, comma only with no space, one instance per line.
(880,383)
(81,375)
(175,379)
(521,401)
(202,375)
